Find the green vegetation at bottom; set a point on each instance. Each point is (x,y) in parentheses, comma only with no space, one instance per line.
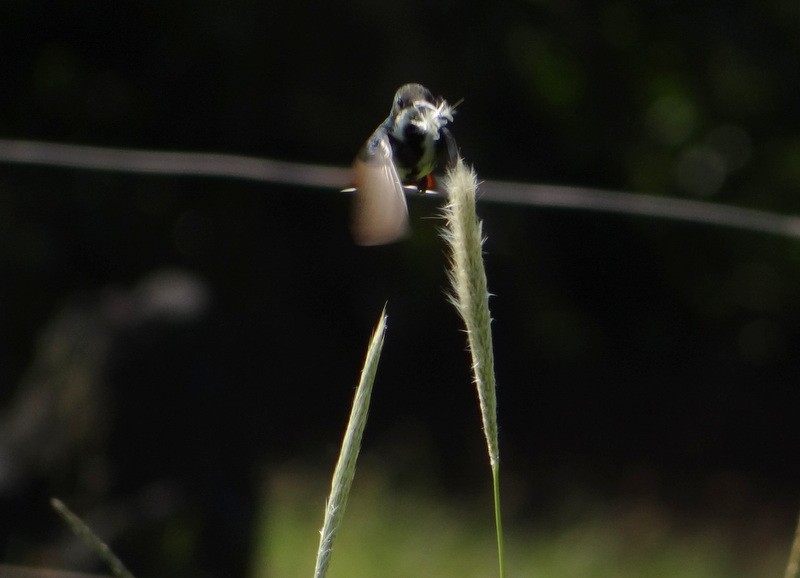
(389,534)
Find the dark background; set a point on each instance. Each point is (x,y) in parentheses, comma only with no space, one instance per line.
(634,356)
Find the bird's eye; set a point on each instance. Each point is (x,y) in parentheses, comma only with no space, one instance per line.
(400,102)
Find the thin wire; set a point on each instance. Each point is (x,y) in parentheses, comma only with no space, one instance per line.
(313,175)
(644,205)
(170,163)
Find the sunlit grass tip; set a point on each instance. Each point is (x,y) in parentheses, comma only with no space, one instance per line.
(793,566)
(85,533)
(345,469)
(463,233)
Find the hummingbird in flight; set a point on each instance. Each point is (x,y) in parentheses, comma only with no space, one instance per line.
(403,150)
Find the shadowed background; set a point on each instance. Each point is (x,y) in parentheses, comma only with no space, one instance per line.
(167,342)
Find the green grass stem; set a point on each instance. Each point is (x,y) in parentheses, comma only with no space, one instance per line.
(348,455)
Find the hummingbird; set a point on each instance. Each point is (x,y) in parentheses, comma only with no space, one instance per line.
(403,150)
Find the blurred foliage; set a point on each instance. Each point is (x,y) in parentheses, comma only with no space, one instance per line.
(393,534)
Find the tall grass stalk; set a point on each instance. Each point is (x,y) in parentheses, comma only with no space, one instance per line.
(345,469)
(91,539)
(793,567)
(463,233)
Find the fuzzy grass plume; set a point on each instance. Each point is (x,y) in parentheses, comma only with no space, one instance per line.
(346,465)
(463,233)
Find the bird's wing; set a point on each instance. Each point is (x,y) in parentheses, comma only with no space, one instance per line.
(380,214)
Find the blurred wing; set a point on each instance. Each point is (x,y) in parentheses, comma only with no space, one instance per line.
(380,214)
(7,571)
